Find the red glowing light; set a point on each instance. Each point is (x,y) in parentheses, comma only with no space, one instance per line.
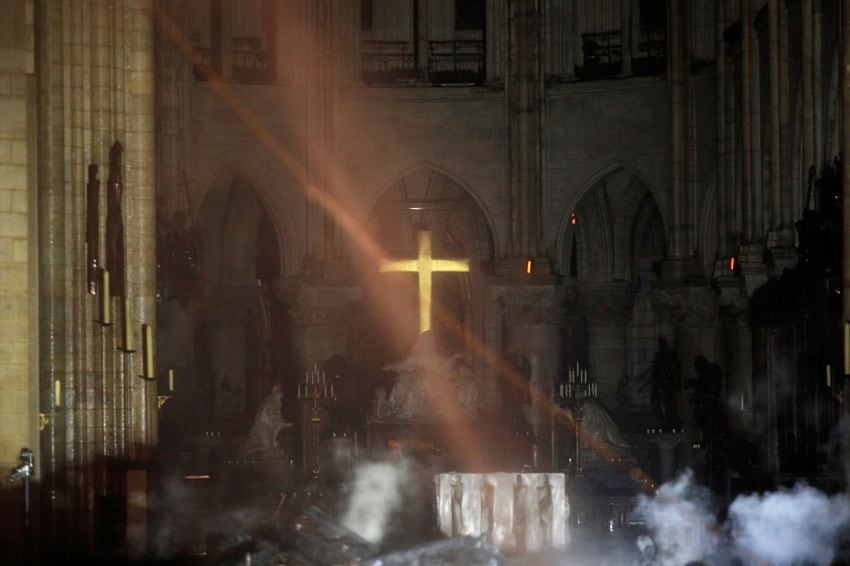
(573,219)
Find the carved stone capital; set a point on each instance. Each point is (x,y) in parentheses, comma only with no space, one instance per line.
(693,307)
(605,303)
(320,304)
(524,305)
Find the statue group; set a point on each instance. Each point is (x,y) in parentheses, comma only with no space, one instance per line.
(429,387)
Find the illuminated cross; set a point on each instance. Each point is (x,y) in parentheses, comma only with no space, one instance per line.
(425,265)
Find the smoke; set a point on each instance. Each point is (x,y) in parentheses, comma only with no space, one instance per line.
(792,526)
(376,493)
(681,522)
(801,525)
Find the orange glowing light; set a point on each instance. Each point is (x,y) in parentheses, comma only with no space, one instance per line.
(528,266)
(732,263)
(573,219)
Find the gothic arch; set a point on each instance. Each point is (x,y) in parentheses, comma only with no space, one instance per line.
(605,222)
(489,225)
(269,186)
(563,242)
(240,177)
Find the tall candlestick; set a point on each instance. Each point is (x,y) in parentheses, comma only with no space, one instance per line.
(128,329)
(147,347)
(170,380)
(847,348)
(57,391)
(105,307)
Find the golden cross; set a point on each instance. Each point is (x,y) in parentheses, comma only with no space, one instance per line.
(425,265)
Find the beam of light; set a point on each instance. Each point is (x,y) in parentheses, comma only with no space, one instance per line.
(465,440)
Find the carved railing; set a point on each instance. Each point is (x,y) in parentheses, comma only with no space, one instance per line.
(650,57)
(456,62)
(387,62)
(250,60)
(602,55)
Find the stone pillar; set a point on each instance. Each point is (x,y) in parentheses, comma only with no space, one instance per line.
(531,320)
(722,205)
(96,85)
(780,235)
(666,442)
(525,102)
(627,36)
(607,307)
(677,61)
(751,252)
(807,68)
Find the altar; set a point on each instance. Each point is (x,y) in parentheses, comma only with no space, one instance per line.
(516,513)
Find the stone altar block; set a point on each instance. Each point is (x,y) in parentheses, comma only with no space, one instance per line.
(515,512)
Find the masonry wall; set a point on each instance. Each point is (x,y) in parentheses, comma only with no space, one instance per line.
(18,426)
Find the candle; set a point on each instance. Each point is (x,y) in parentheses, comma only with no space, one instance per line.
(332,389)
(828,375)
(170,380)
(128,330)
(105,314)
(742,399)
(325,387)
(57,390)
(847,348)
(147,347)
(299,390)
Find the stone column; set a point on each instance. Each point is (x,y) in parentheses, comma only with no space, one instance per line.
(607,307)
(807,68)
(751,252)
(723,207)
(677,61)
(780,235)
(96,85)
(525,102)
(627,36)
(531,320)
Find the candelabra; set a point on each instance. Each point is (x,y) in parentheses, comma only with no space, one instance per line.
(315,394)
(574,392)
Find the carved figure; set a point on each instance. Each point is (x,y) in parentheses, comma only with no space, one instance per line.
(92,228)
(423,390)
(261,442)
(666,384)
(115,222)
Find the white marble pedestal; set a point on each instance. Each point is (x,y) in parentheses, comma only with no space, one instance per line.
(516,513)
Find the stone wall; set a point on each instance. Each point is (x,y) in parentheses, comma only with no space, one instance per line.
(18,299)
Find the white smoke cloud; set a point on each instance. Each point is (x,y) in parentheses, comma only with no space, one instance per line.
(376,494)
(681,522)
(801,525)
(791,526)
